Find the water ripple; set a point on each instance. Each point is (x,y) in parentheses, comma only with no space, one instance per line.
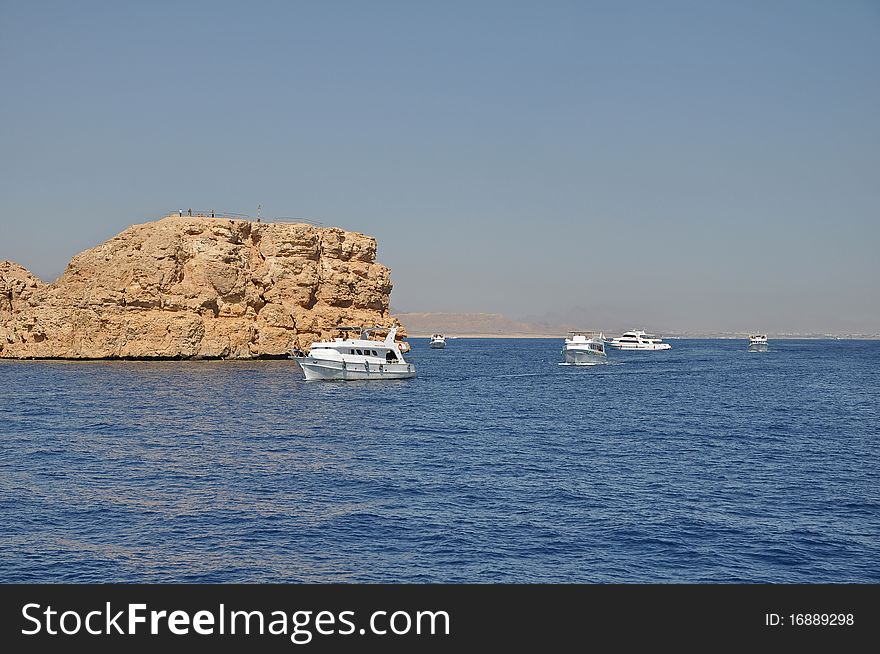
(701,464)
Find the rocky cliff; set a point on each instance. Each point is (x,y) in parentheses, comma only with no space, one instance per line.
(197,287)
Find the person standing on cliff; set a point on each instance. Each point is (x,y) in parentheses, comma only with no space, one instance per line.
(190,212)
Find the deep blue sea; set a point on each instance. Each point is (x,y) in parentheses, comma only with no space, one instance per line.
(705,463)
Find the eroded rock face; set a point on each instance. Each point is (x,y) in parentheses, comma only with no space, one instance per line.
(196,287)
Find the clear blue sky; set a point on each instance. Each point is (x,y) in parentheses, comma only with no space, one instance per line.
(677,165)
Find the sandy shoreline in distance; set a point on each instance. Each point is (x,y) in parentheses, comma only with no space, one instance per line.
(786,337)
(487,336)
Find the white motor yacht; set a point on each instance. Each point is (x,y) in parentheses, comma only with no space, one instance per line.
(638,340)
(438,341)
(584,349)
(357,358)
(758,342)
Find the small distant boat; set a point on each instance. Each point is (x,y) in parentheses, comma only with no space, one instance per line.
(584,349)
(758,343)
(638,340)
(438,341)
(357,358)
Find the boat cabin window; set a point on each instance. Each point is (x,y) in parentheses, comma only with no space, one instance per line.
(359,352)
(352,351)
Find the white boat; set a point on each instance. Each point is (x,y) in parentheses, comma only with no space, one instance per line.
(584,349)
(438,341)
(758,342)
(357,358)
(638,340)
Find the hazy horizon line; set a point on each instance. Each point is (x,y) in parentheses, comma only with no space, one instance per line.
(532,325)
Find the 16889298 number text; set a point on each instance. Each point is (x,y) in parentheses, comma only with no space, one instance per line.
(809,620)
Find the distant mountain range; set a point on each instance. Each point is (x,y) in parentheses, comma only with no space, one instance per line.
(496,325)
(470,324)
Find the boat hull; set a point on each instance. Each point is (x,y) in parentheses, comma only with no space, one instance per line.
(643,347)
(333,370)
(583,357)
(438,345)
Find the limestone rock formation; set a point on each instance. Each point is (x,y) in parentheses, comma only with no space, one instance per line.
(196,287)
